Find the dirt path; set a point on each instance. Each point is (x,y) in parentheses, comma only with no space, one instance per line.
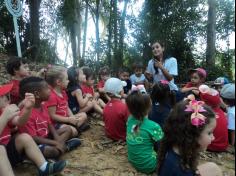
(99,156)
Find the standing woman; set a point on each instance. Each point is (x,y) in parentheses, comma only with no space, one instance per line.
(162,68)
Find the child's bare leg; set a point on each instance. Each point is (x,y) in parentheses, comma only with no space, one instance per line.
(97,108)
(51,152)
(232,137)
(25,143)
(101,103)
(87,108)
(209,169)
(5,166)
(64,133)
(82,118)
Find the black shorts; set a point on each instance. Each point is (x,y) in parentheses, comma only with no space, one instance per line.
(13,155)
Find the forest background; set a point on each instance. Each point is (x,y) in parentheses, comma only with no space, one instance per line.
(123,34)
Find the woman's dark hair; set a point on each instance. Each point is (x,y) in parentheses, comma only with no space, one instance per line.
(88,72)
(180,133)
(139,105)
(14,63)
(229,102)
(30,85)
(162,94)
(73,77)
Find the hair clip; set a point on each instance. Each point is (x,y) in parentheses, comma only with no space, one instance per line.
(196,107)
(165,82)
(139,88)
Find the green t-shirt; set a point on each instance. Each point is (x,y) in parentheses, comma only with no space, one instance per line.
(140,144)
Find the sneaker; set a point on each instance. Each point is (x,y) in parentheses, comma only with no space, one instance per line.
(53,168)
(73,144)
(83,127)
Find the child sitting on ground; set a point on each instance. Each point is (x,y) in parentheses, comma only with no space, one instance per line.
(138,77)
(51,142)
(124,76)
(143,134)
(197,77)
(212,98)
(20,146)
(87,87)
(163,99)
(79,102)
(104,75)
(187,131)
(18,69)
(57,105)
(228,95)
(115,113)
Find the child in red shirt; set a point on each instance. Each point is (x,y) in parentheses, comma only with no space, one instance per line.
(198,77)
(104,75)
(20,146)
(18,69)
(52,142)
(115,113)
(59,111)
(212,98)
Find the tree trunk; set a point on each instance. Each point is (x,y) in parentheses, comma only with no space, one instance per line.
(211,34)
(97,31)
(110,35)
(85,33)
(34,6)
(115,13)
(78,24)
(122,33)
(73,44)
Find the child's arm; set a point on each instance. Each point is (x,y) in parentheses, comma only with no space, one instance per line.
(187,89)
(59,118)
(28,104)
(82,101)
(9,112)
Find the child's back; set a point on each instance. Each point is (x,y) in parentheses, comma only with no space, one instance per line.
(143,134)
(115,113)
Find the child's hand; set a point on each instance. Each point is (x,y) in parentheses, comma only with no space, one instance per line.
(29,100)
(61,147)
(73,121)
(89,96)
(10,112)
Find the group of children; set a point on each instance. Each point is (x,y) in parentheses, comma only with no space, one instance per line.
(43,115)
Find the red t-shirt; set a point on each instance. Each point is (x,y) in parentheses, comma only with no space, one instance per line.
(37,125)
(220,133)
(14,93)
(115,115)
(101,84)
(5,136)
(61,103)
(87,90)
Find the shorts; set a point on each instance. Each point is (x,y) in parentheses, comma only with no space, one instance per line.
(12,153)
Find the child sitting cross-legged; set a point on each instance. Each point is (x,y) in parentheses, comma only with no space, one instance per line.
(51,142)
(59,111)
(143,135)
(20,146)
(115,113)
(212,98)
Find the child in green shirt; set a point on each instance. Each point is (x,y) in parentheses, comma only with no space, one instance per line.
(143,134)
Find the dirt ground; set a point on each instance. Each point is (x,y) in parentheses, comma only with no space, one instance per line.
(99,156)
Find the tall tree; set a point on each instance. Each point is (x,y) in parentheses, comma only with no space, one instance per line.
(34,6)
(85,31)
(211,34)
(97,30)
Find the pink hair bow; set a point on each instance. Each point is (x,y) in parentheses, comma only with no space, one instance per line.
(140,88)
(197,119)
(164,82)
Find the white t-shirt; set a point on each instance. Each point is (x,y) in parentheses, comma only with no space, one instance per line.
(170,65)
(134,79)
(231,118)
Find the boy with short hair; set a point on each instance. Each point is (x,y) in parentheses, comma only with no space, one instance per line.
(115,113)
(20,146)
(124,76)
(51,142)
(18,68)
(138,77)
(228,95)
